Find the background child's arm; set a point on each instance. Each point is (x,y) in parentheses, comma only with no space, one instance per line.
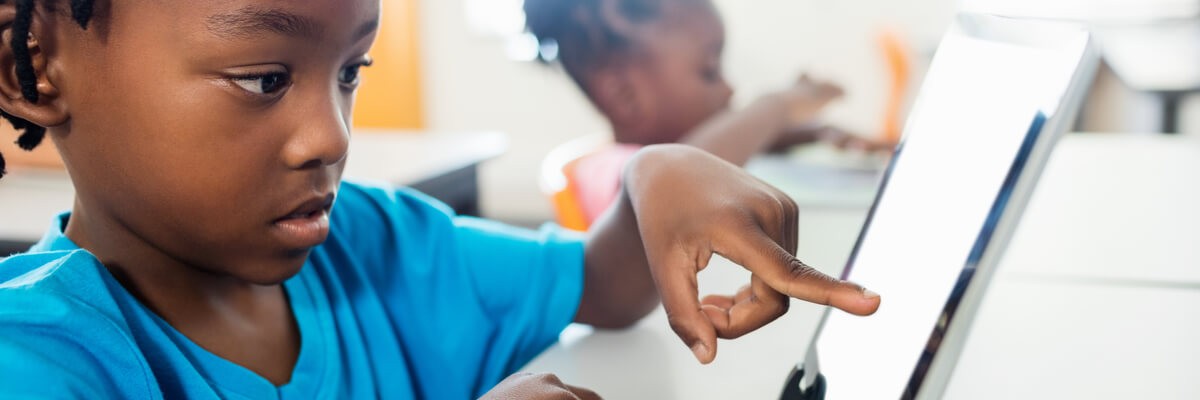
(838,137)
(679,206)
(736,136)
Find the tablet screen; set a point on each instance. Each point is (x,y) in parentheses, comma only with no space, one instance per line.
(982,103)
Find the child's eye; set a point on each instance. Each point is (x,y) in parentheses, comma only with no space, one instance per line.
(263,84)
(349,75)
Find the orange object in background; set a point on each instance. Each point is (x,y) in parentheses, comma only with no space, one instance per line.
(558,179)
(568,210)
(44,156)
(896,54)
(390,96)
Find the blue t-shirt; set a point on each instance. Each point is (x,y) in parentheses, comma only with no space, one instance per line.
(404,300)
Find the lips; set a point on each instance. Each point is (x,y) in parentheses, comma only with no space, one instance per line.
(306,225)
(310,207)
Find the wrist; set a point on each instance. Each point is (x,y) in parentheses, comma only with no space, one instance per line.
(652,165)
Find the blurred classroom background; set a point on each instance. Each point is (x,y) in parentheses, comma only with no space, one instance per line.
(464,65)
(476,76)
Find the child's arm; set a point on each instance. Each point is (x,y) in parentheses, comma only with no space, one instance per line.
(738,135)
(838,137)
(678,207)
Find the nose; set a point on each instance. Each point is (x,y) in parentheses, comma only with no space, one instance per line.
(726,94)
(322,136)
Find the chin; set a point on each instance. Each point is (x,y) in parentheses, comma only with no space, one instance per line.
(273,271)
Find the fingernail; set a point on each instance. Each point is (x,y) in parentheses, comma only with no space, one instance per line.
(700,350)
(867,294)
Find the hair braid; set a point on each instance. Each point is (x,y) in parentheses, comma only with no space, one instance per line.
(32,134)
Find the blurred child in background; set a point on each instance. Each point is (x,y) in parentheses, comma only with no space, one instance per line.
(653,69)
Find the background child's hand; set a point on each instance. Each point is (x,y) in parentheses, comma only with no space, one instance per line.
(808,97)
(848,141)
(838,137)
(537,387)
(689,205)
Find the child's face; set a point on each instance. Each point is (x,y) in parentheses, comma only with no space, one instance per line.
(682,53)
(213,133)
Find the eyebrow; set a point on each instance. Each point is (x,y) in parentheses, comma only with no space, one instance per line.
(251,21)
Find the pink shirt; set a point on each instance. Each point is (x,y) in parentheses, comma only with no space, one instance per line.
(597,178)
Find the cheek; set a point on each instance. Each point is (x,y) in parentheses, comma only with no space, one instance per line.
(180,153)
(703,103)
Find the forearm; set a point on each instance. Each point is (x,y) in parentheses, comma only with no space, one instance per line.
(738,135)
(618,288)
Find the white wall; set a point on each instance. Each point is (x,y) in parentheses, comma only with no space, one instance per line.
(471,85)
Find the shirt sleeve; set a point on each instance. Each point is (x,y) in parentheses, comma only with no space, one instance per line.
(44,354)
(531,281)
(473,300)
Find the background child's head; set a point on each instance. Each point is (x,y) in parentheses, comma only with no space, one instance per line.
(190,128)
(652,67)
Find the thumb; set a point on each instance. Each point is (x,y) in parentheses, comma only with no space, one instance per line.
(689,322)
(678,288)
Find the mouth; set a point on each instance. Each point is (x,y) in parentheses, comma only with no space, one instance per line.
(307,224)
(310,208)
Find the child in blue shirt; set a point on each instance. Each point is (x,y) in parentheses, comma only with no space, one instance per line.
(214,252)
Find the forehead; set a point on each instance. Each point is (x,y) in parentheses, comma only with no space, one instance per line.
(697,20)
(690,12)
(240,19)
(686,31)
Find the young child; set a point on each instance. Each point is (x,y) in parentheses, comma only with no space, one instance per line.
(653,69)
(206,257)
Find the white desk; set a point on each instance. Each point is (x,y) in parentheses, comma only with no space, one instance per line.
(1078,309)
(440,164)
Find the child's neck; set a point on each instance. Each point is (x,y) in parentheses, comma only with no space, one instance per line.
(630,135)
(248,324)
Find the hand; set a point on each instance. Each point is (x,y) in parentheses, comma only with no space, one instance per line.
(838,137)
(808,97)
(690,205)
(849,141)
(537,386)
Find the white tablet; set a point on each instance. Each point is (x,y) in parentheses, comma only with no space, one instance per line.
(998,95)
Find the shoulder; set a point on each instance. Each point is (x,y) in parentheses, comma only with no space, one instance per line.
(371,203)
(370,217)
(61,333)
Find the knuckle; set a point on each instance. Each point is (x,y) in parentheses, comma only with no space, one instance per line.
(792,209)
(782,208)
(550,379)
(802,274)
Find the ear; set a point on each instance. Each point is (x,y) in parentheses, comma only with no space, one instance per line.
(618,95)
(48,109)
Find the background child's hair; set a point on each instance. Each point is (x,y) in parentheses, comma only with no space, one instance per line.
(32,134)
(587,33)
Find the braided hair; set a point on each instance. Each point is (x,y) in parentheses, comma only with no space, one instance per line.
(586,38)
(31,135)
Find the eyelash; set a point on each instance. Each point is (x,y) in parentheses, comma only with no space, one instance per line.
(270,84)
(246,82)
(354,69)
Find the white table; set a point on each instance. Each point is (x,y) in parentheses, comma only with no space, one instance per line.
(440,164)
(1079,308)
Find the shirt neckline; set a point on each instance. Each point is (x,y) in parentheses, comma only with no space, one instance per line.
(227,376)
